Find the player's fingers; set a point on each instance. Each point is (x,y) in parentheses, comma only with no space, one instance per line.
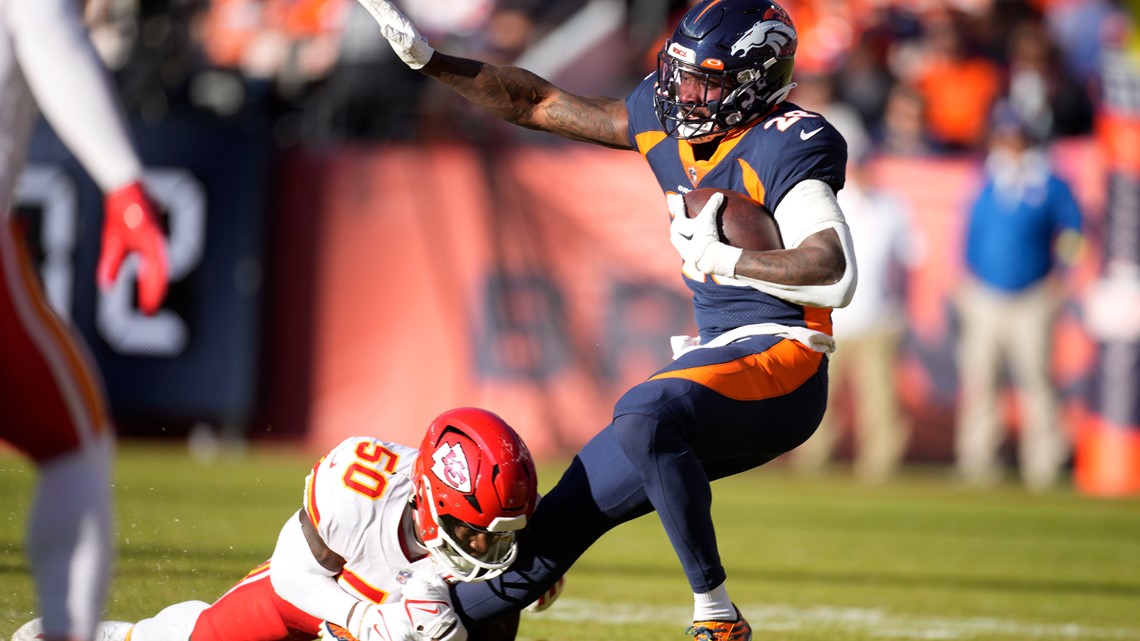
(712,206)
(153,279)
(676,204)
(110,260)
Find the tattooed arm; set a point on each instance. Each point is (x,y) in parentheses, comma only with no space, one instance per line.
(523,98)
(818,268)
(818,260)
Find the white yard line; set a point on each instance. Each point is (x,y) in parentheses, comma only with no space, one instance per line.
(874,623)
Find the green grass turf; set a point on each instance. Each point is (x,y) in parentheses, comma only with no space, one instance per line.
(808,560)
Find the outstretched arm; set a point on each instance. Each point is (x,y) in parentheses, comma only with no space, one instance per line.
(75,94)
(513,94)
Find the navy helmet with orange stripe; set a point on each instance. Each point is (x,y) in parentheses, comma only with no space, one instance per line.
(727,63)
(475,489)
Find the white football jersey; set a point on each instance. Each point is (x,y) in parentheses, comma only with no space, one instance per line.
(357,496)
(47,60)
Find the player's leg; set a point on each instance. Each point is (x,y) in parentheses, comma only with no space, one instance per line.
(881,433)
(712,413)
(250,611)
(54,411)
(978,431)
(598,491)
(1042,444)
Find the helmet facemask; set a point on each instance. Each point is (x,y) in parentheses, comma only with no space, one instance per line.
(475,489)
(448,547)
(724,100)
(727,64)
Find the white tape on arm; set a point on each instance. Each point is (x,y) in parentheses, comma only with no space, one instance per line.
(809,208)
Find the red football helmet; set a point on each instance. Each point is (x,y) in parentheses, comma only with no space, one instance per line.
(473,476)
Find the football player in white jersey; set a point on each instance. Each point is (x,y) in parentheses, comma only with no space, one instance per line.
(52,404)
(382,530)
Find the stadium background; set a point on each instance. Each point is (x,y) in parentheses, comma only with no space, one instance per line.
(355,250)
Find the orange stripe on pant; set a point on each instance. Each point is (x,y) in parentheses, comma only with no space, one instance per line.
(775,372)
(52,397)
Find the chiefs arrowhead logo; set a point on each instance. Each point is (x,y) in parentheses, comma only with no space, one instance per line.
(450,466)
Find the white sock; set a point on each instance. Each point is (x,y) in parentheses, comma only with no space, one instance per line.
(174,623)
(69,540)
(714,605)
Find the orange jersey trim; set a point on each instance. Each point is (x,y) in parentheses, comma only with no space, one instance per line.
(752,183)
(369,591)
(311,496)
(818,318)
(647,140)
(696,169)
(775,372)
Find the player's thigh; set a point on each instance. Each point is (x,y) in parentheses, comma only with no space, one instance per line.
(252,611)
(52,397)
(757,398)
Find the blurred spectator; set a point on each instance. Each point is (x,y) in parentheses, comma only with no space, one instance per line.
(957,85)
(1039,87)
(817,92)
(1022,220)
(902,130)
(868,333)
(864,82)
(1078,27)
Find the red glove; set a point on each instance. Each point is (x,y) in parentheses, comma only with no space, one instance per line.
(130,225)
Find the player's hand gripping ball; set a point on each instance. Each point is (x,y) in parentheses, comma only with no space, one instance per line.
(711,228)
(741,221)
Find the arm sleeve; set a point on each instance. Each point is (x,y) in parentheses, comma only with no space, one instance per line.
(809,208)
(73,89)
(299,579)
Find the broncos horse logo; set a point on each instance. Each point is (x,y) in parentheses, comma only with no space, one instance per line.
(766,34)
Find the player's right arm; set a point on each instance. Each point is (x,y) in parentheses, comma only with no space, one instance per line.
(510,93)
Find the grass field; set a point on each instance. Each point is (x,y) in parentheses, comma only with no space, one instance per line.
(818,560)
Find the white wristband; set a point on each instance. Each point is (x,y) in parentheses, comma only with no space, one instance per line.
(719,259)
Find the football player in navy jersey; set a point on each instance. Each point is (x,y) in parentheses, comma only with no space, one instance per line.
(753,384)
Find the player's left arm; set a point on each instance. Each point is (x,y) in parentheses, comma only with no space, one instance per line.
(304,570)
(818,268)
(75,94)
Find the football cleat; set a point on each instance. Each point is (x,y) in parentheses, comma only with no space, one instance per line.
(333,632)
(106,631)
(737,630)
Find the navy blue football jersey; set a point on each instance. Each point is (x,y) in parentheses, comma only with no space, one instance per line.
(763,160)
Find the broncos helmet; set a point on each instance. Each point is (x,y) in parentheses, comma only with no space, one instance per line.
(727,63)
(474,478)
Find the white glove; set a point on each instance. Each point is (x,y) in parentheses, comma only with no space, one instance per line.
(423,614)
(697,239)
(411,46)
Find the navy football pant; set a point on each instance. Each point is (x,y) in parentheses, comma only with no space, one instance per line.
(712,413)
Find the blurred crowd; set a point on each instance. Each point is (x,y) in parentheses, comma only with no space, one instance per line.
(911,77)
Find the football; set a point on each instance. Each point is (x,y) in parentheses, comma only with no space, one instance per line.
(742,222)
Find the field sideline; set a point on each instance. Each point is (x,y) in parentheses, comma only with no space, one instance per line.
(808,560)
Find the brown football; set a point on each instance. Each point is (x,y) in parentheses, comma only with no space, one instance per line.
(743,222)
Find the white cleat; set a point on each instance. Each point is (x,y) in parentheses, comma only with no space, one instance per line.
(106,631)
